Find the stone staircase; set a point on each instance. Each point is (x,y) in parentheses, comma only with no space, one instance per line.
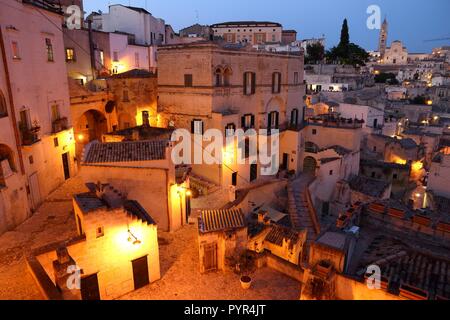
(299,211)
(203,185)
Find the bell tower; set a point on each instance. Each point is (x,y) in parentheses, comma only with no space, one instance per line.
(383,38)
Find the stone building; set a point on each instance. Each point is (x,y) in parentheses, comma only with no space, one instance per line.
(396,174)
(142,170)
(135,94)
(253,32)
(201,86)
(93,111)
(37,136)
(147,29)
(440,174)
(116,251)
(222,234)
(88,54)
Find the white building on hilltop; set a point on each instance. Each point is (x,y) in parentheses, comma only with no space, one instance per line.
(148,30)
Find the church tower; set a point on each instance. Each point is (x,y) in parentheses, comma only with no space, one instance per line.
(383,38)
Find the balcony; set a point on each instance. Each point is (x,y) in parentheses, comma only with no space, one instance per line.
(60,124)
(29,134)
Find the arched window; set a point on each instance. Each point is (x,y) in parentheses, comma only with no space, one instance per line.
(227,77)
(3,108)
(218,74)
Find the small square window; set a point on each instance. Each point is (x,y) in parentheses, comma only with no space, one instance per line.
(331,172)
(30,159)
(314,131)
(56,142)
(100,232)
(395,176)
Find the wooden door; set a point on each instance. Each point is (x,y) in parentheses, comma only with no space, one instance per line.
(140,272)
(89,288)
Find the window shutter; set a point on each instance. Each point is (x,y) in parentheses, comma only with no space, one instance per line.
(269,116)
(245,82)
(192,126)
(276,119)
(202,126)
(253,121)
(243,122)
(273,82)
(279,83)
(253,83)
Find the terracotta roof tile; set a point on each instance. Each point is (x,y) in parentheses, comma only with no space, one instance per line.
(220,220)
(129,151)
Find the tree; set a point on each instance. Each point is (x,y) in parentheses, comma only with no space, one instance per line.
(314,53)
(345,37)
(347,52)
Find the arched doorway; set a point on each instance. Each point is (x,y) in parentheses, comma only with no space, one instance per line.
(90,126)
(309,165)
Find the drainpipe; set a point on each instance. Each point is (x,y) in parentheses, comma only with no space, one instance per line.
(92,50)
(11,102)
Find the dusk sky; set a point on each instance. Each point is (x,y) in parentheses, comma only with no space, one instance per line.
(412,21)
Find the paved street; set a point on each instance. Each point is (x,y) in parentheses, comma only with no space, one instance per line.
(178,257)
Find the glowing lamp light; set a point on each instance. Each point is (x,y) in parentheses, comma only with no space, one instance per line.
(429,102)
(418,195)
(80,137)
(188,193)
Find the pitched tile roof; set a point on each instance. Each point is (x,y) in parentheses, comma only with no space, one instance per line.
(220,220)
(367,186)
(278,233)
(128,151)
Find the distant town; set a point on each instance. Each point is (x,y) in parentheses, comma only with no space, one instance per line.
(232,161)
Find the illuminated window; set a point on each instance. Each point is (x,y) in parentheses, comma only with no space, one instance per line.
(102,57)
(49,47)
(70,54)
(15,50)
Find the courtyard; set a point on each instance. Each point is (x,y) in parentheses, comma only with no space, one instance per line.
(180,277)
